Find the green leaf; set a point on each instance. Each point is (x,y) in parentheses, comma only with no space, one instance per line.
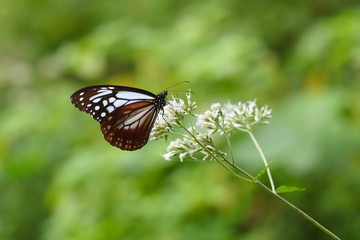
(260,173)
(284,189)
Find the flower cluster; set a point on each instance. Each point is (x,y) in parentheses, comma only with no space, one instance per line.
(172,116)
(211,118)
(241,116)
(246,115)
(187,147)
(222,119)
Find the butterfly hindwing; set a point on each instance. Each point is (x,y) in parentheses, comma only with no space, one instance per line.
(129,127)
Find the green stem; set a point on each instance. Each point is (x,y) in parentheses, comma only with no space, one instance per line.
(181,135)
(273,192)
(264,160)
(232,171)
(191,124)
(229,147)
(226,136)
(298,210)
(212,155)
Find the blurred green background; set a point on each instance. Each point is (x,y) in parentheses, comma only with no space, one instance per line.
(60,180)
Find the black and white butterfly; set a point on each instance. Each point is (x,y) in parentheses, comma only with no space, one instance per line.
(126,114)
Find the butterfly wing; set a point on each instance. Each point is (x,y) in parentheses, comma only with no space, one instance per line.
(129,127)
(126,114)
(101,100)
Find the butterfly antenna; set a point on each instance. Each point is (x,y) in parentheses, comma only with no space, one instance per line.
(177,84)
(176,91)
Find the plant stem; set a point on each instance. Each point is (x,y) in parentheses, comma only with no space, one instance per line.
(212,155)
(264,160)
(229,147)
(298,210)
(272,191)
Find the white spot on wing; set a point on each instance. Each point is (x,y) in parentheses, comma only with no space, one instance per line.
(132,95)
(110,109)
(105,102)
(103,114)
(96,100)
(97,108)
(112,99)
(119,103)
(100,93)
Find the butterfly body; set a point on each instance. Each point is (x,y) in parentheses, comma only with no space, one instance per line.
(126,114)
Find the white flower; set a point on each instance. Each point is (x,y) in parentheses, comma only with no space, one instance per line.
(190,106)
(161,129)
(214,120)
(220,118)
(167,156)
(172,116)
(183,147)
(243,116)
(199,148)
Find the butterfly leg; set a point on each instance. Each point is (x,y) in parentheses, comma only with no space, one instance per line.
(162,115)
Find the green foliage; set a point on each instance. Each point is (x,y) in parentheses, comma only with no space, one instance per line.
(285,189)
(262,172)
(60,180)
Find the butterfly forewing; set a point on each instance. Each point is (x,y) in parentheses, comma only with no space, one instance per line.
(126,114)
(99,101)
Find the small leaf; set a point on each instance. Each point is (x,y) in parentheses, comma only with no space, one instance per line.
(284,189)
(260,173)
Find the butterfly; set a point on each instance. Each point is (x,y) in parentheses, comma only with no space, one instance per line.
(126,115)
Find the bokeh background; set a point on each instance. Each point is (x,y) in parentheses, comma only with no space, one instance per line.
(59,179)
